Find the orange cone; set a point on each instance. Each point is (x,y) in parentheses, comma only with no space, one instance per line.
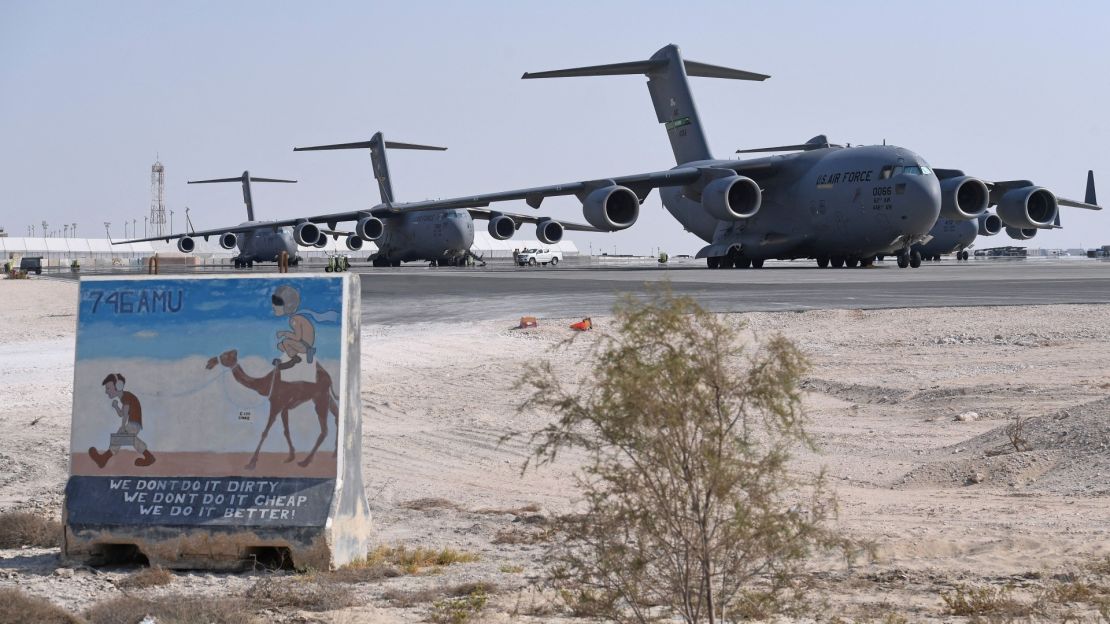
(584,325)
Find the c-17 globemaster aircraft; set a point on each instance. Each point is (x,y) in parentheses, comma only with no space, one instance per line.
(949,236)
(441,236)
(438,231)
(257,241)
(839,205)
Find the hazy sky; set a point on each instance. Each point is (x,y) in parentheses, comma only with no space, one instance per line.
(91,92)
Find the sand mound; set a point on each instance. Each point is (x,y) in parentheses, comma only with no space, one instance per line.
(1066,452)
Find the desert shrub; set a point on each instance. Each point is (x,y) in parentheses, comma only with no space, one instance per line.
(985,600)
(1015,433)
(688,435)
(424,504)
(413,560)
(405,599)
(20,608)
(174,609)
(20,529)
(153,576)
(459,610)
(363,573)
(311,593)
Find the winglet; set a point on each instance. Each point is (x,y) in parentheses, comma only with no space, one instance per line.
(1090,198)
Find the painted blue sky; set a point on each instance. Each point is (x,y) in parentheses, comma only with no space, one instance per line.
(174,318)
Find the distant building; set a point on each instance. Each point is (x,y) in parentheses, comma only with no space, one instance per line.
(2,232)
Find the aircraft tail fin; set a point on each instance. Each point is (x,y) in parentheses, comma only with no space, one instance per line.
(1090,198)
(377,146)
(246,180)
(670,93)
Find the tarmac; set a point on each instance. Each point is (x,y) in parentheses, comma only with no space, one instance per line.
(417,293)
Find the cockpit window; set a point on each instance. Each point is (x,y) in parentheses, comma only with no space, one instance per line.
(886,172)
(912,170)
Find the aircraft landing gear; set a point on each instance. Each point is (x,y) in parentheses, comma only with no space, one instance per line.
(823,262)
(853,262)
(838,262)
(903,260)
(915,259)
(743,263)
(713,262)
(757,264)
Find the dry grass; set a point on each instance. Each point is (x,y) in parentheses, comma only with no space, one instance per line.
(360,572)
(530,508)
(153,576)
(424,504)
(19,608)
(20,529)
(308,592)
(523,536)
(173,609)
(413,560)
(986,600)
(459,610)
(408,599)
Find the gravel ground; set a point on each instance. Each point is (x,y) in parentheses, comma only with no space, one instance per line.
(910,410)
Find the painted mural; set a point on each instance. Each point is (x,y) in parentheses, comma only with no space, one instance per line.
(208,377)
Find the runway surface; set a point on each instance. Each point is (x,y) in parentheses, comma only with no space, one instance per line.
(421,295)
(417,294)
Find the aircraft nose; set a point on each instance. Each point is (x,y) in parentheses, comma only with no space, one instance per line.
(921,203)
(457,236)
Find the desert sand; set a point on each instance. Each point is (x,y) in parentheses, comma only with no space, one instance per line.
(941,492)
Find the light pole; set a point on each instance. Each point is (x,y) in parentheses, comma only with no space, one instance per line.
(133,224)
(107,231)
(65,230)
(145,219)
(73,229)
(171,222)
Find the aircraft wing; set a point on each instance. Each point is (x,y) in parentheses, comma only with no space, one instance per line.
(1000,187)
(641,184)
(483,213)
(235,229)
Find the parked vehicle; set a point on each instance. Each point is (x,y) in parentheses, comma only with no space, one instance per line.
(532,257)
(31,264)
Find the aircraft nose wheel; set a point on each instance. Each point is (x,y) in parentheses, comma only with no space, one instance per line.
(903,260)
(915,259)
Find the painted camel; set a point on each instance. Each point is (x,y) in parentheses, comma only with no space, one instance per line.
(284,396)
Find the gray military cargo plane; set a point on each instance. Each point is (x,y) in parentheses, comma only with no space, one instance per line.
(257,241)
(840,206)
(439,231)
(440,236)
(950,236)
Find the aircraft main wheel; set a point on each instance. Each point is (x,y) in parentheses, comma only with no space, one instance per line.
(880,258)
(837,262)
(823,262)
(965,255)
(554,262)
(757,264)
(743,263)
(713,263)
(853,262)
(903,260)
(250,264)
(915,259)
(866,262)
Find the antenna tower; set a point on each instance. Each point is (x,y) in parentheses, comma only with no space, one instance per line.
(157,199)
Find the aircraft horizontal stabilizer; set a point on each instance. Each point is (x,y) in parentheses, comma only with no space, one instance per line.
(368,145)
(693,68)
(240,179)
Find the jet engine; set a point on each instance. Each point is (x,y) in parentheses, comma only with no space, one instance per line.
(354,243)
(186,244)
(989,225)
(321,242)
(501,227)
(227,240)
(1021,233)
(1028,207)
(611,208)
(732,198)
(369,228)
(306,234)
(549,232)
(963,198)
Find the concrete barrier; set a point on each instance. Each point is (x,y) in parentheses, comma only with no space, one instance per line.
(216,423)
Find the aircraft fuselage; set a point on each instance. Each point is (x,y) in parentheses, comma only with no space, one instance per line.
(426,235)
(850,202)
(264,244)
